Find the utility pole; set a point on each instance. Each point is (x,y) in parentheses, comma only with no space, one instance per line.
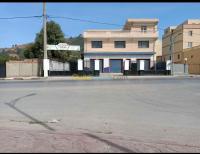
(154,60)
(171,44)
(45,60)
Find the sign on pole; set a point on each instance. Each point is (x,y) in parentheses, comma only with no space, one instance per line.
(63,46)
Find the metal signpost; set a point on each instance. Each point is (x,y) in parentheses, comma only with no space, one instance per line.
(45,60)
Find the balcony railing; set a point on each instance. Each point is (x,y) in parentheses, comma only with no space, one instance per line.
(121,34)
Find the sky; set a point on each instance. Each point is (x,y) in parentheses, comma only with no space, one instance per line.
(20,31)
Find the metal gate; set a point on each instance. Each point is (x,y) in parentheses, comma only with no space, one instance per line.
(57,68)
(116,65)
(2,70)
(180,69)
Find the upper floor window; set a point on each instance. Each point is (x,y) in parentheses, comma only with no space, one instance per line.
(143,28)
(189,44)
(143,44)
(190,33)
(120,44)
(96,44)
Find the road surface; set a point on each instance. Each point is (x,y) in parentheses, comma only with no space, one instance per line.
(141,115)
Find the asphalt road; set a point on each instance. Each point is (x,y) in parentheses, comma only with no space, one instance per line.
(141,115)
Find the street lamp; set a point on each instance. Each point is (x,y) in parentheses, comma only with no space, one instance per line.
(185,62)
(172,50)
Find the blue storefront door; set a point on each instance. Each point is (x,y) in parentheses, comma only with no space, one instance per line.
(115,66)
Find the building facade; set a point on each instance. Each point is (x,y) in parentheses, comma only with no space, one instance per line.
(135,42)
(192,59)
(158,50)
(178,38)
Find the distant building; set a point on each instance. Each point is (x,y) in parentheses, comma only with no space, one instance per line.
(184,36)
(192,58)
(135,42)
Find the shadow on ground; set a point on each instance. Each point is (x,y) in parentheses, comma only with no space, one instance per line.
(119,147)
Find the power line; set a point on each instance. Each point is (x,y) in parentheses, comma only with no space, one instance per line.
(97,22)
(70,18)
(82,20)
(19,17)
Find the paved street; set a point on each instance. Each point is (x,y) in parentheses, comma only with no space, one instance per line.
(139,115)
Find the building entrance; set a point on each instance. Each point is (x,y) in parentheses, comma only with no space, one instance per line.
(116,65)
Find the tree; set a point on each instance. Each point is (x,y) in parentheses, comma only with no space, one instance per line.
(54,37)
(74,55)
(29,51)
(76,41)
(4,57)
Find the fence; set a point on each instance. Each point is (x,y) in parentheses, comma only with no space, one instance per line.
(59,68)
(180,69)
(194,68)
(25,68)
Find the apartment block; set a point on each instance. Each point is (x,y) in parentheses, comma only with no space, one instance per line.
(134,42)
(192,58)
(178,38)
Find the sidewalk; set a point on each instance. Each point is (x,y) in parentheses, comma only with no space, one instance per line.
(21,141)
(110,77)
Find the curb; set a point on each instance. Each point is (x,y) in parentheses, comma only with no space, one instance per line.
(82,78)
(22,78)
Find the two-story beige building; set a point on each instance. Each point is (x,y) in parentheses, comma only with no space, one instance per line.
(135,42)
(178,38)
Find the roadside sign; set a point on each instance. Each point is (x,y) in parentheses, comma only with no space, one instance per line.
(63,46)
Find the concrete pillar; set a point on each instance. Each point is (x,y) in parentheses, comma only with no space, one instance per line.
(96,67)
(126,67)
(106,65)
(80,66)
